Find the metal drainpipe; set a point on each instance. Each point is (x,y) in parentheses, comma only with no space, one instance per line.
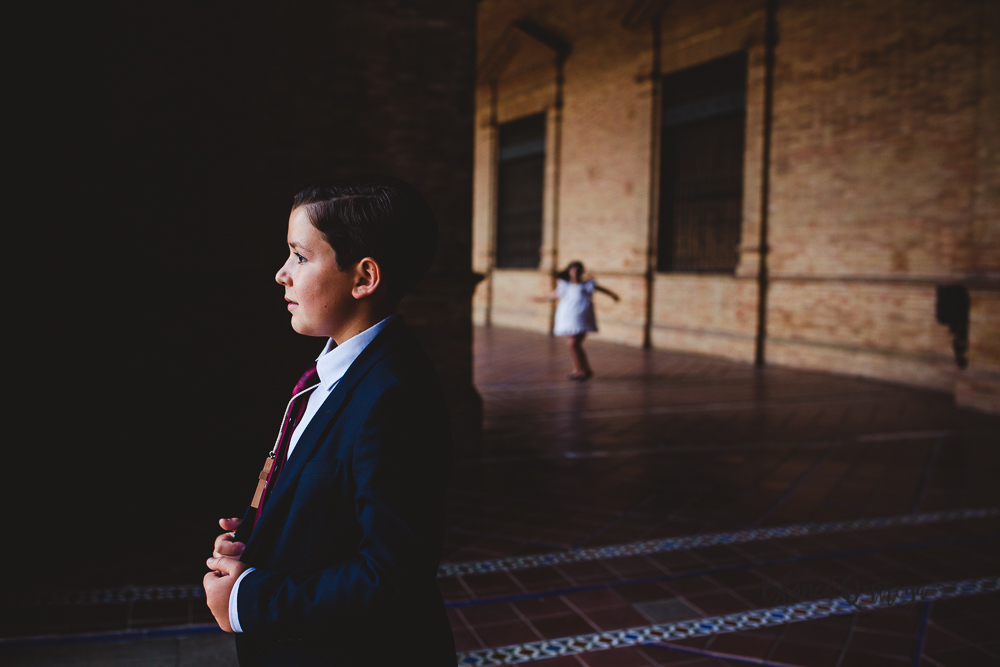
(494,180)
(770,40)
(654,184)
(556,174)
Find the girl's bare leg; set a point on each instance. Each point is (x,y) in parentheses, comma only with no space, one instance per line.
(581,367)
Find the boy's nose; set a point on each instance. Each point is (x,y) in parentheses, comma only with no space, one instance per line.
(281,277)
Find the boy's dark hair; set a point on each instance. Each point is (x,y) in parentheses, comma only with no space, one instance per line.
(375,216)
(564,274)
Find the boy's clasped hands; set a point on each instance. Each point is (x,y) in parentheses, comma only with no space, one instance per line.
(225,568)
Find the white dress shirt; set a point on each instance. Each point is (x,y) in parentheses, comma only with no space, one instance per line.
(331,364)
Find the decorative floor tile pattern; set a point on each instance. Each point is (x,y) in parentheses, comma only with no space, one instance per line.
(694,541)
(752,620)
(549,587)
(120,595)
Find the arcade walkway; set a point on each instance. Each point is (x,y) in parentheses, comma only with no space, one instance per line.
(720,515)
(679,495)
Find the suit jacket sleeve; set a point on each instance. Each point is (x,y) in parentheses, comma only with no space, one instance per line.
(398,465)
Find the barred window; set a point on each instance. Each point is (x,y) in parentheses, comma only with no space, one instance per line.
(701,175)
(519,197)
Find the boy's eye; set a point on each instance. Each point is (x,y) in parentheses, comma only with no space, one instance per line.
(300,257)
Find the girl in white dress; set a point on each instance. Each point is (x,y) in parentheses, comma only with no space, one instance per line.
(575,314)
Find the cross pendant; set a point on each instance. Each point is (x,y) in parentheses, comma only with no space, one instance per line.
(262,481)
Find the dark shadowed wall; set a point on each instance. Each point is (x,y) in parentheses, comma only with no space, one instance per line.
(162,145)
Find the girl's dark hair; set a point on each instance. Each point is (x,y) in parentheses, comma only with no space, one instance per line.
(564,274)
(375,216)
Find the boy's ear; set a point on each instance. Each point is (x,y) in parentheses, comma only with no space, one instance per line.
(367,278)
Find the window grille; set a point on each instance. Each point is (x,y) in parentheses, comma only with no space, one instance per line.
(701,175)
(520,186)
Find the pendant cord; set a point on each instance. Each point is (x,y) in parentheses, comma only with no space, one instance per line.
(281,429)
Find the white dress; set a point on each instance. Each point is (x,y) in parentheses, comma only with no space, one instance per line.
(575,312)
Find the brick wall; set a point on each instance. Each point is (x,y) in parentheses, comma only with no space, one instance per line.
(876,115)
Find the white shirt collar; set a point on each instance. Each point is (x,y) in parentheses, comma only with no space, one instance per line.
(334,360)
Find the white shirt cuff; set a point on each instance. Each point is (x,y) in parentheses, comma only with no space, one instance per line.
(234,614)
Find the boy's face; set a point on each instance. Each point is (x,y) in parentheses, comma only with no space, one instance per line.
(318,292)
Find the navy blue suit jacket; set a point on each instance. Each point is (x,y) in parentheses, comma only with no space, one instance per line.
(348,544)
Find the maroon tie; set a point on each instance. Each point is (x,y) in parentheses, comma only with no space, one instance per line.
(295,412)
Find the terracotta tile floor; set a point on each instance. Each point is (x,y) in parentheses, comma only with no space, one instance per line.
(660,445)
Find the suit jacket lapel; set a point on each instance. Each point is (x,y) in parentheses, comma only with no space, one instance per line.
(327,414)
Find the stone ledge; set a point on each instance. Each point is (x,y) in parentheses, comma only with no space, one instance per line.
(979,390)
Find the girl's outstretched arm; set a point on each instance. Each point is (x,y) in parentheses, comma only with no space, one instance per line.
(598,288)
(551,296)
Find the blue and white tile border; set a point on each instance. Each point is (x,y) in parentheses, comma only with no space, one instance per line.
(127,594)
(120,595)
(514,563)
(758,618)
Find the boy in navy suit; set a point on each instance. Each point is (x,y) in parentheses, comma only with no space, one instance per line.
(335,562)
